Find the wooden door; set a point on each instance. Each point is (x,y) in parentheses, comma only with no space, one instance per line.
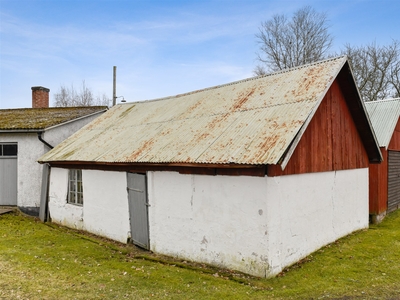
(138,209)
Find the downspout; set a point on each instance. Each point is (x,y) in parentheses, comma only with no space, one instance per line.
(43,141)
(44,214)
(44,195)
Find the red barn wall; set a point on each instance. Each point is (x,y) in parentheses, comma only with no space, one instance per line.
(378,185)
(395,141)
(330,142)
(378,177)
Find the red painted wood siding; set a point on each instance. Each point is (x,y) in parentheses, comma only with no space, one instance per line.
(378,185)
(378,177)
(330,142)
(395,140)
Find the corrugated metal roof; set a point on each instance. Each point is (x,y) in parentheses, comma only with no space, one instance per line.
(41,118)
(253,121)
(384,115)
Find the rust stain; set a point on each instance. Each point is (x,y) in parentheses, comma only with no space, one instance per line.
(243,98)
(96,122)
(193,107)
(268,143)
(202,136)
(216,121)
(183,127)
(146,146)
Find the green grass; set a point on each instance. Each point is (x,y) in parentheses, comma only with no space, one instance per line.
(45,261)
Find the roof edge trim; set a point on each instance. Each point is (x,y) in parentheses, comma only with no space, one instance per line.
(367,119)
(287,70)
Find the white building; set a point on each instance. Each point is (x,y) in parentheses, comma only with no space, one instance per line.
(253,175)
(25,135)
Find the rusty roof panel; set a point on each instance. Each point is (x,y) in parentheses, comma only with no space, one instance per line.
(42,118)
(253,121)
(384,115)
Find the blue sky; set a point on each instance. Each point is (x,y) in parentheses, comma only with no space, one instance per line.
(160,48)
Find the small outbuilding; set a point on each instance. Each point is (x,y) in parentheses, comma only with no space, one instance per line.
(25,135)
(384,178)
(253,175)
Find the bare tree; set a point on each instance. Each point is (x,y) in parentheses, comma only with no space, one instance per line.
(68,96)
(376,69)
(289,43)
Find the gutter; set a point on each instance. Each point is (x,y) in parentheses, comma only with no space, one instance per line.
(43,141)
(20,130)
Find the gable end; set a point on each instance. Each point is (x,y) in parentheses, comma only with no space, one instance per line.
(330,142)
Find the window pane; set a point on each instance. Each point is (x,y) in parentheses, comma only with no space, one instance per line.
(79,187)
(10,150)
(80,198)
(72,197)
(75,187)
(72,186)
(1,150)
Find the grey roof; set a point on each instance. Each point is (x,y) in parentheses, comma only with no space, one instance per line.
(255,122)
(384,115)
(33,119)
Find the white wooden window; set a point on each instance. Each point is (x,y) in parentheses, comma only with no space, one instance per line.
(8,149)
(75,187)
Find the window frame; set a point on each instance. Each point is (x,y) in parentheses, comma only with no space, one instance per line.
(75,187)
(3,153)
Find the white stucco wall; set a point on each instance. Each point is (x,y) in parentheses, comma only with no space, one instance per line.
(105,203)
(29,171)
(308,211)
(251,224)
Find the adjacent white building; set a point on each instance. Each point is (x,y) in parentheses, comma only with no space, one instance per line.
(253,175)
(25,135)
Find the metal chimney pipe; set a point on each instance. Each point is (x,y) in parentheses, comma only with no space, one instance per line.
(114,85)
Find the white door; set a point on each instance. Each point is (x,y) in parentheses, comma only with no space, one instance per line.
(138,212)
(8,174)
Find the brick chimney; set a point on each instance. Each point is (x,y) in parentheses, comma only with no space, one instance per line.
(40,97)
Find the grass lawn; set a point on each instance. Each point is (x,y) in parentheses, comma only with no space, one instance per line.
(45,261)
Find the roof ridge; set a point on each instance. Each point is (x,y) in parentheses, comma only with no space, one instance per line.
(383,100)
(287,70)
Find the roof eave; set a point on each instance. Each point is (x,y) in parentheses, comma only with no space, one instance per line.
(144,164)
(22,130)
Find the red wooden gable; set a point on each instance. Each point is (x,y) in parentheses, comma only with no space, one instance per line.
(395,140)
(330,142)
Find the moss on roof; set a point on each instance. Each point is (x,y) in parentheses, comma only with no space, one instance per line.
(41,118)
